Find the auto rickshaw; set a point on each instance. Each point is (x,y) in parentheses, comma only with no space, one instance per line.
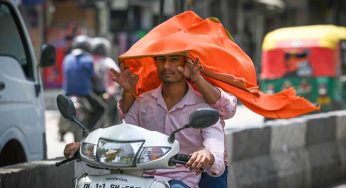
(312,59)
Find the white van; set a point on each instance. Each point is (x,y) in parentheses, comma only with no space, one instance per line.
(22,117)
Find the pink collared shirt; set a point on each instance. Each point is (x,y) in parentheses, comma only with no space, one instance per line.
(226,105)
(149,111)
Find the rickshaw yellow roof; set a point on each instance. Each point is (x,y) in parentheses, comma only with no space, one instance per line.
(327,35)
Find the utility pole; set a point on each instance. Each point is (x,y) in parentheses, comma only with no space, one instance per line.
(179,6)
(161,16)
(225,15)
(45,12)
(337,10)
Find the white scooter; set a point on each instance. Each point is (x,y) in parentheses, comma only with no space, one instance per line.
(128,150)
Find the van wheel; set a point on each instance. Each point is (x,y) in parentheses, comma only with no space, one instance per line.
(12,153)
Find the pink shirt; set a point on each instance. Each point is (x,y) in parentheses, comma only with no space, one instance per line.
(226,105)
(149,111)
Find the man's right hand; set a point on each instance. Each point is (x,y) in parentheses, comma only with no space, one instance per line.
(71,149)
(126,79)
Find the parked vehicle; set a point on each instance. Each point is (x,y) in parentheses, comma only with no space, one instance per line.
(128,150)
(22,120)
(312,59)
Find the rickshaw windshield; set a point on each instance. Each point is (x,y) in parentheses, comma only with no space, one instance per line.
(297,63)
(306,51)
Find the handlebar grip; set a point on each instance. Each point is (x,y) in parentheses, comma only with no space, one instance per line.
(182,157)
(179,159)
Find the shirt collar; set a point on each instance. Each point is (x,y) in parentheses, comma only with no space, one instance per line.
(190,98)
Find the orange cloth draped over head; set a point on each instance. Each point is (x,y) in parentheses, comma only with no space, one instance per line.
(224,63)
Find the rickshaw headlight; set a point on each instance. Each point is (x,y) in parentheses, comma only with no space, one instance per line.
(270,89)
(322,89)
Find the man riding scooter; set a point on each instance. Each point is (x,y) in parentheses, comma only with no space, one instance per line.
(163,95)
(167,108)
(217,98)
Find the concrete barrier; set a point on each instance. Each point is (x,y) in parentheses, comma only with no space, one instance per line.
(309,151)
(38,174)
(301,152)
(44,174)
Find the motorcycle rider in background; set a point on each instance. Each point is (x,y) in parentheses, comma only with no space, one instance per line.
(103,84)
(78,71)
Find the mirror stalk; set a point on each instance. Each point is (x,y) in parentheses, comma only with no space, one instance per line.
(199,119)
(80,125)
(171,137)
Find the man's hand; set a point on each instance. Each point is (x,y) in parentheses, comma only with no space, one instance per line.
(191,69)
(200,159)
(126,79)
(71,149)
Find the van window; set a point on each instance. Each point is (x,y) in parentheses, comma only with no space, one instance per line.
(11,40)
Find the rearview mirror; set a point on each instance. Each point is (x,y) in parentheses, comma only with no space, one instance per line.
(68,111)
(47,55)
(66,107)
(202,118)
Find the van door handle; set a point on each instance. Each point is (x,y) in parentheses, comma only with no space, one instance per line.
(2,85)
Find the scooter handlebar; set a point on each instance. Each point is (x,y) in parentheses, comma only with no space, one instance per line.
(179,159)
(75,157)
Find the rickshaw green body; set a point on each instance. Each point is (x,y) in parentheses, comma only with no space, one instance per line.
(334,100)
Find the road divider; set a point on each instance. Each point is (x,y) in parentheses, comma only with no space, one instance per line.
(308,151)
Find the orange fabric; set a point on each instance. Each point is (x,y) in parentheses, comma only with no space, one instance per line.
(224,64)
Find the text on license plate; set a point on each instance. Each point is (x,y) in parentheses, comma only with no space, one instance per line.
(107,185)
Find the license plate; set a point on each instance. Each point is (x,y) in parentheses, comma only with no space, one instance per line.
(107,185)
(116,181)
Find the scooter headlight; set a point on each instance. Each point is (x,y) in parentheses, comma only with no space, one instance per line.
(88,151)
(117,153)
(152,153)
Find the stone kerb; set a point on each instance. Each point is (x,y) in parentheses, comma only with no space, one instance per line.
(288,153)
(323,151)
(38,174)
(341,140)
(251,165)
(309,151)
